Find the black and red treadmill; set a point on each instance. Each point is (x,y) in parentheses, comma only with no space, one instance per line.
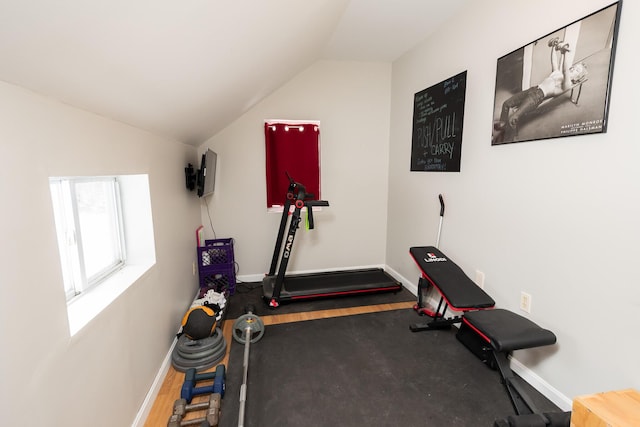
(279,287)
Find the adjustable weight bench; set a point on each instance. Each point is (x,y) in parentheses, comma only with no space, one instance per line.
(457,291)
(493,335)
(489,333)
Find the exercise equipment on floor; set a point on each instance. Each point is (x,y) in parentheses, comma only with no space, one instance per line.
(199,354)
(201,344)
(547,419)
(457,293)
(190,387)
(490,333)
(199,322)
(181,408)
(247,329)
(279,287)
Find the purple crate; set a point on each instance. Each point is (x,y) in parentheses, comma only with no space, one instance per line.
(218,252)
(221,279)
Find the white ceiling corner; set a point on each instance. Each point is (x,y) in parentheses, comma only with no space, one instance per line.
(186,69)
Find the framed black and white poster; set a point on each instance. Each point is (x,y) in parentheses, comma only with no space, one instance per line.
(558,85)
(438,113)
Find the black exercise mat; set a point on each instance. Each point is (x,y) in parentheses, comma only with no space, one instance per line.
(364,370)
(251,293)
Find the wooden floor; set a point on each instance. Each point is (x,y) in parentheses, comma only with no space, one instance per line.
(170,390)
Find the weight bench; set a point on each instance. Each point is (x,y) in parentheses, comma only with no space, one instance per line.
(489,333)
(492,335)
(457,291)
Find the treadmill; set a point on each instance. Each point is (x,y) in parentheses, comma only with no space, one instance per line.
(278,287)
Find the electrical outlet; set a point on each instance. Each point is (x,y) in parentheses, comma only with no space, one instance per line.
(525,302)
(193,268)
(480,279)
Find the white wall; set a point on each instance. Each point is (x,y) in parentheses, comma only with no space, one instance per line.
(351,100)
(555,218)
(100,376)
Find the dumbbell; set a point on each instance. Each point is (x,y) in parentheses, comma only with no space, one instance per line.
(554,42)
(181,408)
(191,378)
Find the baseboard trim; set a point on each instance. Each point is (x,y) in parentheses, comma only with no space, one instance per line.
(249,278)
(408,284)
(546,389)
(151,396)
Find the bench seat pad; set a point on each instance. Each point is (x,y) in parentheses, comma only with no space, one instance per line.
(507,331)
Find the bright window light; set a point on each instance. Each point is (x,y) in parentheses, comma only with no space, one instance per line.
(89,226)
(105,235)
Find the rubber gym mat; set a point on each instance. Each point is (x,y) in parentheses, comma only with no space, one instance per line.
(251,293)
(360,370)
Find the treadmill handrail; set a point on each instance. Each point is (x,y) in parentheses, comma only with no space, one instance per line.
(297,196)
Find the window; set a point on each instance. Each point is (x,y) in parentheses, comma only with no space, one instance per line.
(291,147)
(105,235)
(89,226)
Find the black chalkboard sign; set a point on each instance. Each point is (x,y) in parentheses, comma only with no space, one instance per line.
(438,113)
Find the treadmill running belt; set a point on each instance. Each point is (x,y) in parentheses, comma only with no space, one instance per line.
(332,283)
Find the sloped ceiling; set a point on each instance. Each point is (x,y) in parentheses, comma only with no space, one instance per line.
(186,68)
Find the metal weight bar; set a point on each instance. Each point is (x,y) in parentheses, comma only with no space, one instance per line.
(247,328)
(245,375)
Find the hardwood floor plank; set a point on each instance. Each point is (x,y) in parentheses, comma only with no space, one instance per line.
(170,390)
(338,312)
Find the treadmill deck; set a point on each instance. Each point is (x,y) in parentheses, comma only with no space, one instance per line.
(332,283)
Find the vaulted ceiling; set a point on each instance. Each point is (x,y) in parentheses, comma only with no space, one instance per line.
(185,69)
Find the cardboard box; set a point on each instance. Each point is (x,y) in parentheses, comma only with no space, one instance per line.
(611,409)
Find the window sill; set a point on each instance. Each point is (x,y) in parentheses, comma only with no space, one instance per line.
(280,208)
(84,308)
(277,209)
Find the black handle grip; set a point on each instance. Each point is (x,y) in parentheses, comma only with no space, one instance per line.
(316,203)
(310,217)
(310,204)
(441,204)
